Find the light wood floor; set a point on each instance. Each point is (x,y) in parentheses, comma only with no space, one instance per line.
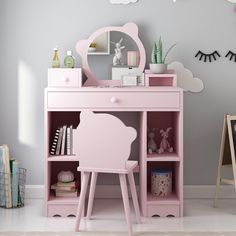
(109,216)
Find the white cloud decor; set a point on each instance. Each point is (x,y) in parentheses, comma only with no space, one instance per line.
(185,78)
(122,1)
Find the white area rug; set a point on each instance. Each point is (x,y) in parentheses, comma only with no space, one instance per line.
(114,234)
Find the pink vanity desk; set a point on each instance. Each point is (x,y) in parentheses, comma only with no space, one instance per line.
(156,106)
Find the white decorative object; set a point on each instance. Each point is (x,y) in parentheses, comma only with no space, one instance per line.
(129,80)
(91,49)
(118,72)
(158,68)
(117,59)
(65,176)
(152,146)
(232,1)
(185,78)
(165,145)
(122,1)
(140,79)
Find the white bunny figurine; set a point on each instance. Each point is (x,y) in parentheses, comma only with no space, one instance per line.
(152,146)
(117,59)
(165,145)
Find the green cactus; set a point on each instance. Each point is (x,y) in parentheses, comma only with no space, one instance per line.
(157,51)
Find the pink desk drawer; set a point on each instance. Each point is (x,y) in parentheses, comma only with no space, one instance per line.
(65,77)
(114,100)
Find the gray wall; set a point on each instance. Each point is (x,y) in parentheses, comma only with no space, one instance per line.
(29,30)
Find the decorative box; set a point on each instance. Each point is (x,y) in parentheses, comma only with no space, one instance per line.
(129,80)
(64,77)
(161,183)
(119,72)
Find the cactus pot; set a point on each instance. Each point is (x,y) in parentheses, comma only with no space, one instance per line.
(158,68)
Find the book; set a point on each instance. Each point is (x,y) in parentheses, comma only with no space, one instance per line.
(7,174)
(68,184)
(59,193)
(15,182)
(54,142)
(63,142)
(73,141)
(59,141)
(2,179)
(63,188)
(68,141)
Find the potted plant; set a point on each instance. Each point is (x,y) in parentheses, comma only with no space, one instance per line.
(158,65)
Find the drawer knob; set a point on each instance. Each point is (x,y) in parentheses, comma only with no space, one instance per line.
(66,79)
(114,100)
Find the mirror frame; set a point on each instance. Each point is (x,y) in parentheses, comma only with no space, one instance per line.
(82,46)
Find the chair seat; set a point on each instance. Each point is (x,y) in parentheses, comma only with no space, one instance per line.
(130,166)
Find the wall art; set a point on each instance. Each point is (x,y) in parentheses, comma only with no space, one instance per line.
(186,79)
(231,55)
(207,57)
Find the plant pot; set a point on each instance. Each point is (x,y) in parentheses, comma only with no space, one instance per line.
(158,68)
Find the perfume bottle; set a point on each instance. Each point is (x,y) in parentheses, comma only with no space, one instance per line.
(55,61)
(69,61)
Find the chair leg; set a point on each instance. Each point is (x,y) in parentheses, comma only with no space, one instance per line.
(85,178)
(126,202)
(134,196)
(91,194)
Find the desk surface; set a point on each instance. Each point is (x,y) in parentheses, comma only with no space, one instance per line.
(117,89)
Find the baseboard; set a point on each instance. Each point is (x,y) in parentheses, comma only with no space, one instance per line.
(113,191)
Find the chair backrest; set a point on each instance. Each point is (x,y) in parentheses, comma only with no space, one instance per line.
(103,141)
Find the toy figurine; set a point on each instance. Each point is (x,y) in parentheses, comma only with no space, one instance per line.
(165,145)
(152,146)
(117,59)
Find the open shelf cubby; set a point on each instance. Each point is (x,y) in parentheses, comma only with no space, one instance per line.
(174,167)
(58,119)
(162,121)
(69,204)
(167,79)
(172,204)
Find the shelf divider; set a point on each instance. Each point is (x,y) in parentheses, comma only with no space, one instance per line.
(63,158)
(171,199)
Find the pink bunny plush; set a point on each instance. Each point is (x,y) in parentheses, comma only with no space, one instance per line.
(165,145)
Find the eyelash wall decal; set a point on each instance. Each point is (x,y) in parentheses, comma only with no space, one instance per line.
(231,56)
(205,56)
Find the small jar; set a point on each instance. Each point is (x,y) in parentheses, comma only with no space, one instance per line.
(69,61)
(55,61)
(161,182)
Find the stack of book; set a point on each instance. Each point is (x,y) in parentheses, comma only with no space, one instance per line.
(63,141)
(65,189)
(10,196)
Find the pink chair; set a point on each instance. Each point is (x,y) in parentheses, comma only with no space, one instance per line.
(103,145)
